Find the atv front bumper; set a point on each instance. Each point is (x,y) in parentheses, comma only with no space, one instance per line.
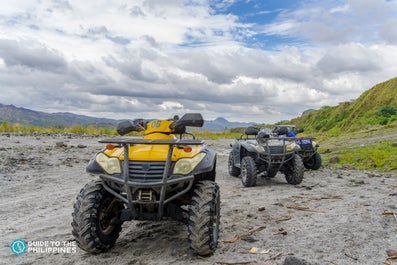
(151,188)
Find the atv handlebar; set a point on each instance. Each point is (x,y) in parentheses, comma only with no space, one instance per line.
(146,141)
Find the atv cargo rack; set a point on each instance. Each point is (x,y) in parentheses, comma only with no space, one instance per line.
(271,154)
(163,183)
(274,152)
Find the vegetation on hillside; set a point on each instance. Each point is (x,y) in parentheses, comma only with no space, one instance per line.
(374,148)
(375,156)
(376,106)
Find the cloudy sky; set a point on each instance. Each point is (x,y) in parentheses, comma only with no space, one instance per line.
(245,60)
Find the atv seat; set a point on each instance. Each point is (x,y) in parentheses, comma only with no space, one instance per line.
(251,130)
(280,130)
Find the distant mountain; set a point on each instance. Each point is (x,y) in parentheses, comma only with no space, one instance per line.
(13,114)
(376,106)
(221,124)
(23,116)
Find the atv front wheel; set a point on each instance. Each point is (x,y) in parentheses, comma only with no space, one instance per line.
(96,218)
(204,217)
(248,171)
(233,170)
(314,162)
(294,170)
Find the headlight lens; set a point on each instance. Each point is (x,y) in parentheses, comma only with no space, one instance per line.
(185,166)
(110,164)
(315,145)
(292,147)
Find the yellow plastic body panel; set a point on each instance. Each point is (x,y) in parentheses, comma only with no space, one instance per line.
(154,152)
(162,126)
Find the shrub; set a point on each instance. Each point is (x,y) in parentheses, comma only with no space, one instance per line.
(384,121)
(387,111)
(6,127)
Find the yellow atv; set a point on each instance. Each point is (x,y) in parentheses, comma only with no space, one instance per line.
(150,178)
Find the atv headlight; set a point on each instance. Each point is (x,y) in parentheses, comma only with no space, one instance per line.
(110,164)
(186,165)
(292,147)
(315,145)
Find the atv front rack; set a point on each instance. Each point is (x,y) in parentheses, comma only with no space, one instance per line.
(163,183)
(276,151)
(131,141)
(271,154)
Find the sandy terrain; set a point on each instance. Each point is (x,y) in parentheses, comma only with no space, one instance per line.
(335,216)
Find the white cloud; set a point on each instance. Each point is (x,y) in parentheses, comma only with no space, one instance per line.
(171,105)
(149,57)
(340,9)
(351,57)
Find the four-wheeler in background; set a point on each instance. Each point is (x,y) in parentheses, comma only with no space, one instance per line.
(263,153)
(163,174)
(308,147)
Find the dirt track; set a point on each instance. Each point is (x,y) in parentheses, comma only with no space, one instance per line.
(334,216)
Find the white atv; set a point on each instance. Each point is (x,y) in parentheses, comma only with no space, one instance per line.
(262,153)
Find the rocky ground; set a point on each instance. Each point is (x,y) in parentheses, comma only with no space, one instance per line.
(335,216)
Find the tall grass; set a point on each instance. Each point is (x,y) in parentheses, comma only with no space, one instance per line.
(216,135)
(78,129)
(75,129)
(380,156)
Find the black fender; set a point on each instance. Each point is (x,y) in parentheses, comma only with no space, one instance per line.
(239,149)
(93,167)
(247,146)
(208,163)
(236,147)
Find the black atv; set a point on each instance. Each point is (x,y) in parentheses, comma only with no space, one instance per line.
(160,175)
(308,147)
(262,153)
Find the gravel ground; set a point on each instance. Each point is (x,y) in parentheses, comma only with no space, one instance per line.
(335,216)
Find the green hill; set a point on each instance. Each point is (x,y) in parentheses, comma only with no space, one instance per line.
(376,106)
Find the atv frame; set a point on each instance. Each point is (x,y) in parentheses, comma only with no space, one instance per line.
(127,186)
(152,178)
(308,148)
(252,157)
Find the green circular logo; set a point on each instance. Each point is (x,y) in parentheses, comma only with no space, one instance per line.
(18,246)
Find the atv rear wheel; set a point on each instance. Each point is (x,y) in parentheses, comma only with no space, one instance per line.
(96,218)
(233,170)
(204,218)
(248,171)
(294,170)
(314,162)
